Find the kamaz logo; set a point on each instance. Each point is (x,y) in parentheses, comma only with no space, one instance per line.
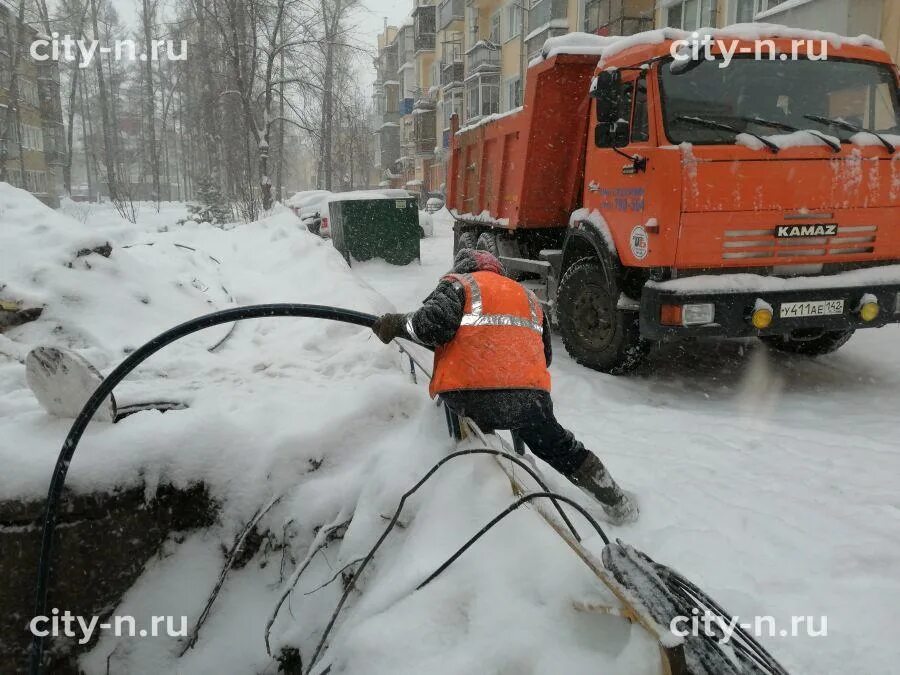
(818,230)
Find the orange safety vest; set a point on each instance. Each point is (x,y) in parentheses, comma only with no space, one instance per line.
(498,344)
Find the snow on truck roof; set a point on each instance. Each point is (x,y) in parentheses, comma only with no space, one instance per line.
(606,47)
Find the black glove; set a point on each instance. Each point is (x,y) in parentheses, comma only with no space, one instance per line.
(389,326)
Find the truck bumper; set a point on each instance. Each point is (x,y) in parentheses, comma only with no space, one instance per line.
(734,309)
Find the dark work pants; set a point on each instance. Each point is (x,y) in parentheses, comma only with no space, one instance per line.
(528,412)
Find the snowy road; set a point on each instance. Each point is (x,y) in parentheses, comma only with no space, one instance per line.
(770,480)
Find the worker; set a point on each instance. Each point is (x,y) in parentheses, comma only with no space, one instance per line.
(492,350)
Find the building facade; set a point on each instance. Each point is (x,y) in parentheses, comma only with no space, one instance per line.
(878,18)
(468,57)
(31,130)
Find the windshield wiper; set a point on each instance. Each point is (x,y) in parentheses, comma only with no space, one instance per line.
(843,124)
(769,123)
(788,127)
(711,124)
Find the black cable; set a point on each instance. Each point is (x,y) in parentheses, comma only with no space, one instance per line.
(509,509)
(106,387)
(348,588)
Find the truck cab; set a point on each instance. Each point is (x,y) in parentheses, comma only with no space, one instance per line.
(749,190)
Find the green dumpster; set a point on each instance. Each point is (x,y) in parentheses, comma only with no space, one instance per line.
(376,224)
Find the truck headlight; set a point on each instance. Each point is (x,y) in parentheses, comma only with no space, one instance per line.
(897,304)
(699,314)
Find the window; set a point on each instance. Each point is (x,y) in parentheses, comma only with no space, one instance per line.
(783,93)
(744,11)
(640,118)
(596,15)
(512,20)
(512,93)
(452,103)
(495,27)
(691,14)
(472,22)
(482,95)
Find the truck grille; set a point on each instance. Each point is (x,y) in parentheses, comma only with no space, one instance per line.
(762,243)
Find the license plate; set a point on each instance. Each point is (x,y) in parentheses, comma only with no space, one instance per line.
(792,310)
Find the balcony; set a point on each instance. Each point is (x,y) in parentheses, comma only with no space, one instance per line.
(424,17)
(425,136)
(450,11)
(545,11)
(452,72)
(390,118)
(424,42)
(484,56)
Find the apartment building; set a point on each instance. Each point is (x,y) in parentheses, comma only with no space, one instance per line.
(39,129)
(448,76)
(467,57)
(878,18)
(386,107)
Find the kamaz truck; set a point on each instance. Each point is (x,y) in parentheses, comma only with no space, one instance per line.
(748,189)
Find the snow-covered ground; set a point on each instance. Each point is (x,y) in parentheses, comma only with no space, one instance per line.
(769,480)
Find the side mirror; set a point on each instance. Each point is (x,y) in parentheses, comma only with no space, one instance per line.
(603,135)
(621,133)
(607,86)
(612,135)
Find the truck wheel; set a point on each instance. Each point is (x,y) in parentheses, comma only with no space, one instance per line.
(466,240)
(488,242)
(595,332)
(817,346)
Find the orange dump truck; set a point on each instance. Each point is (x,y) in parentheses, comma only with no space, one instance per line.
(752,189)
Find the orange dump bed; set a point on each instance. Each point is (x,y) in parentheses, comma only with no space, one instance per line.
(525,169)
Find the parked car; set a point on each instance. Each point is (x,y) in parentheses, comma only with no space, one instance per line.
(426,223)
(315,216)
(311,207)
(434,203)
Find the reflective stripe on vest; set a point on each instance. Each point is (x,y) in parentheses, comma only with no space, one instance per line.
(477,317)
(499,343)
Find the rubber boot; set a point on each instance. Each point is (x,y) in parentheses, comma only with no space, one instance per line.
(593,479)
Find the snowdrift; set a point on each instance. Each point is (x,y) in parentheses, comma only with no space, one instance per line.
(317,418)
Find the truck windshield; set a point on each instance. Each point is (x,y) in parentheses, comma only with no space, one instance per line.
(773,97)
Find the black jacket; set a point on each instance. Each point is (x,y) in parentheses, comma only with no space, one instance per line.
(437,320)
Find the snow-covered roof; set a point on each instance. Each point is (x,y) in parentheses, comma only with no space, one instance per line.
(607,46)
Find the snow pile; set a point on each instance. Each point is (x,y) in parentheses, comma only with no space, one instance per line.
(794,139)
(106,302)
(865,138)
(747,282)
(594,217)
(358,195)
(606,47)
(35,239)
(489,118)
(301,199)
(319,416)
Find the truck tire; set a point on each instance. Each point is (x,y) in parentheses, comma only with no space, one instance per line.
(595,332)
(818,346)
(466,239)
(488,242)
